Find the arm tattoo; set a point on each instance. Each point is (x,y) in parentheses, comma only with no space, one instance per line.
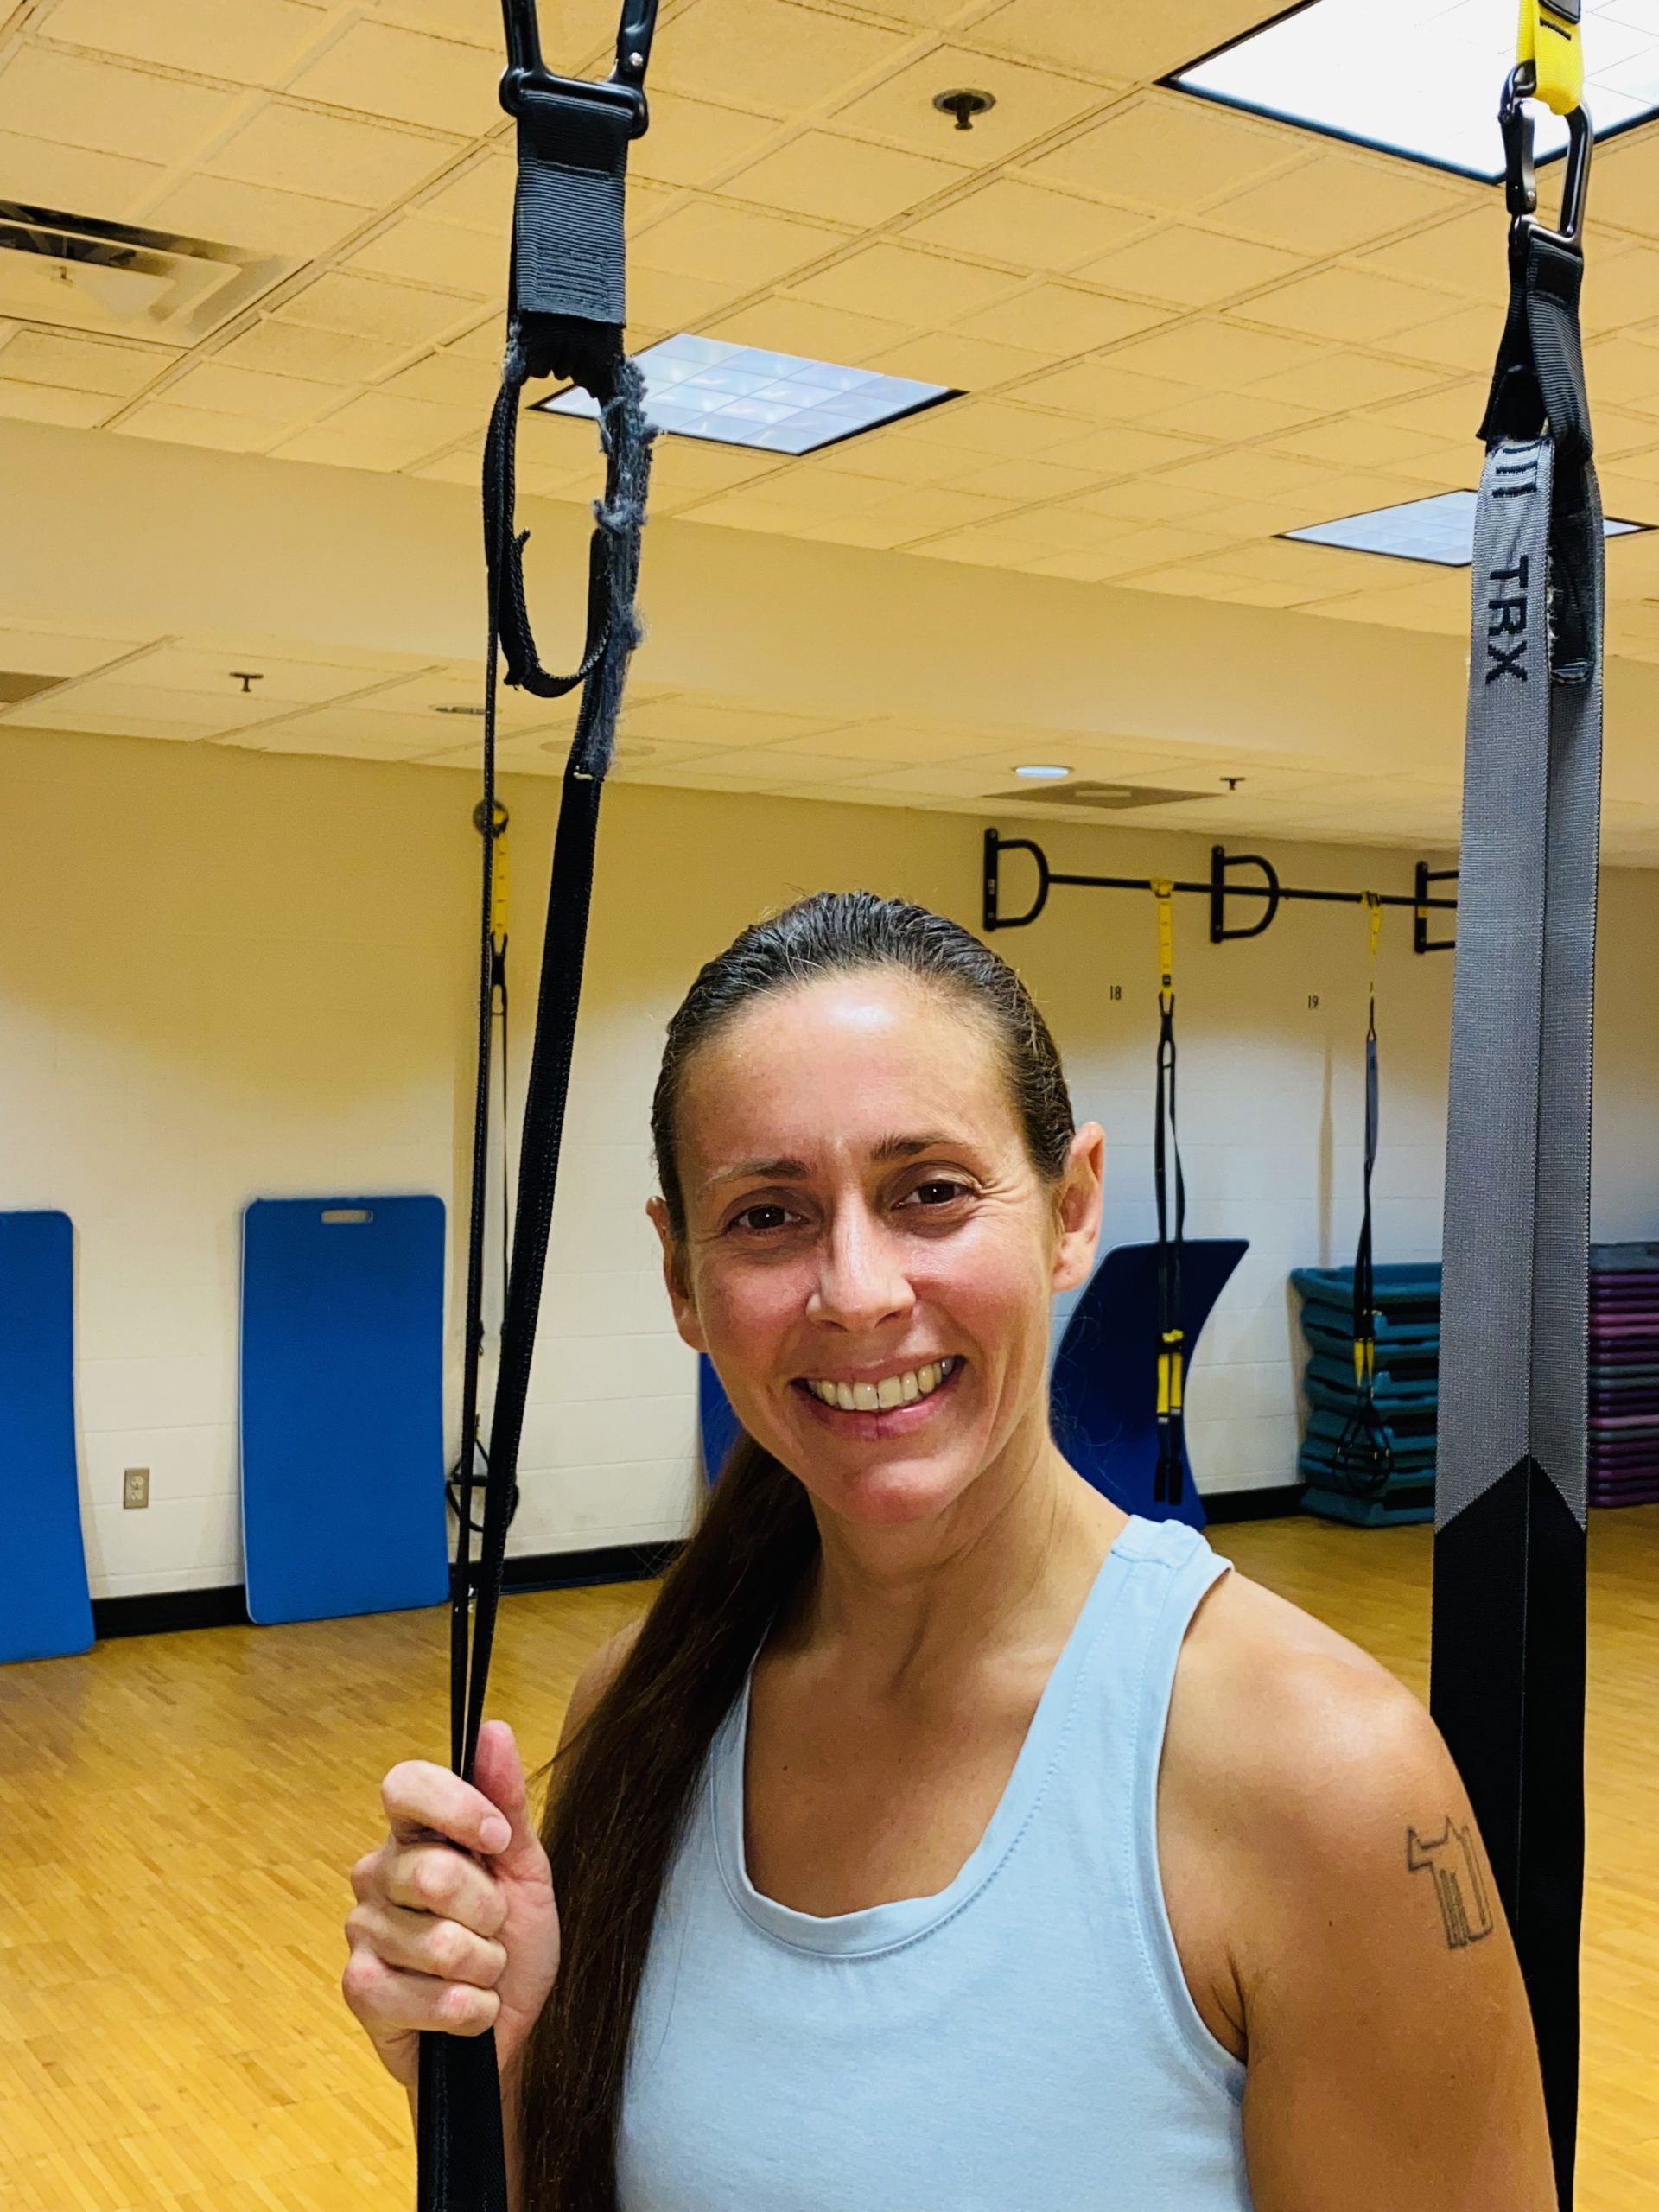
(1452,1858)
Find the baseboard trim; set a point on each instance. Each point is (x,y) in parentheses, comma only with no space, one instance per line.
(1266,1505)
(163,1612)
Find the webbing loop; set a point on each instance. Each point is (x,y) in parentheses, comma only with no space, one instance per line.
(1364,1453)
(1168,1485)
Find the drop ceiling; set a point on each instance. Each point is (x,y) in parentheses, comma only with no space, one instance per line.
(1180,331)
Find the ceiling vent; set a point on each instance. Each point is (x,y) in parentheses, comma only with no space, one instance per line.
(74,272)
(1111,798)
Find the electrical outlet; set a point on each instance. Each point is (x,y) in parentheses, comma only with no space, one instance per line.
(134,1487)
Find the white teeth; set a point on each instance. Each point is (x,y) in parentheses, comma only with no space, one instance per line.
(891,1390)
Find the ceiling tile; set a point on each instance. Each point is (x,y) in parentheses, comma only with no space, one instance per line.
(1151,498)
(1337,201)
(1467,255)
(1466,340)
(1166,151)
(684,468)
(1061,34)
(253,42)
(45,402)
(258,215)
(1189,268)
(1361,441)
(691,141)
(721,244)
(164,419)
(226,390)
(55,652)
(988,426)
(768,51)
(793,326)
(1334,380)
(365,164)
(424,252)
(1121,450)
(1228,415)
(667,300)
(1101,389)
(1627,183)
(904,283)
(947,357)
(111,109)
(296,349)
(479,21)
(1030,103)
(478,198)
(450,380)
(1623,373)
(1216,355)
(1621,286)
(45,173)
(1059,319)
(1028,225)
(408,77)
(721,722)
(1253,475)
(391,431)
(82,364)
(204,670)
(843,178)
(1342,304)
(1026,481)
(372,307)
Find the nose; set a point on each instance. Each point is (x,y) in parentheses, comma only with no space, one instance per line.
(861,1280)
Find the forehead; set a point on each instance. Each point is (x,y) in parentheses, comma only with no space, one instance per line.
(843,1064)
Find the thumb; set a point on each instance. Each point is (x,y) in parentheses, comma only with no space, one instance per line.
(499,1772)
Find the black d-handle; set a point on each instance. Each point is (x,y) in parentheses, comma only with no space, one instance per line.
(1220,862)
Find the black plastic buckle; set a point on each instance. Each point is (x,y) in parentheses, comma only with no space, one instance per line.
(528,76)
(1520,174)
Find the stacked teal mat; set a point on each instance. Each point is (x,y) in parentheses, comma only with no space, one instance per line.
(1340,1482)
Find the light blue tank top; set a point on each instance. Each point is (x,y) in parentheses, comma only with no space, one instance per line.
(1023,2041)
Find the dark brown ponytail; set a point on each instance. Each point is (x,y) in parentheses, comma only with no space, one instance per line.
(622,1789)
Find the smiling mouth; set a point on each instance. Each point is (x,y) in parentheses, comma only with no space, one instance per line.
(891,1394)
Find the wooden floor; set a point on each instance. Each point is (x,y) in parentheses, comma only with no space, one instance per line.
(178,1814)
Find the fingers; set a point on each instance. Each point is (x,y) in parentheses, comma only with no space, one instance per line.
(440,1882)
(422,1799)
(499,1774)
(389,2001)
(418,1944)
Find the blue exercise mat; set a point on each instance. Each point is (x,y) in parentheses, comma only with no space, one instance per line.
(717,1424)
(45,1610)
(1104,1389)
(343,1505)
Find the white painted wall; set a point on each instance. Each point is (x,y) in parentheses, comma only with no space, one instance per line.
(227,974)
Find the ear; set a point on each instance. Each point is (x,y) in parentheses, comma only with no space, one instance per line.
(675,1278)
(1080,1199)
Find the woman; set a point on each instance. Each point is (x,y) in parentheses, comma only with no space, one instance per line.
(942,1836)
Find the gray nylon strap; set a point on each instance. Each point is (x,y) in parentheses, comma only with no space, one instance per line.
(1514,1320)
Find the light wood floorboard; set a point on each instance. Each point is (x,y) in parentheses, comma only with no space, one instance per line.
(179,1814)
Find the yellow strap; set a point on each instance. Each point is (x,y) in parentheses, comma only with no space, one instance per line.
(1373,900)
(1550,39)
(1163,890)
(499,874)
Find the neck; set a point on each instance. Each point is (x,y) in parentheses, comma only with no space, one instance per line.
(1009,1561)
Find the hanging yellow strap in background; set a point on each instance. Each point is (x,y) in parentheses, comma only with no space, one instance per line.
(1164,892)
(1169,1372)
(499,874)
(1549,40)
(1373,899)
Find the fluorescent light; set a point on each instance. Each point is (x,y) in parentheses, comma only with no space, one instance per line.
(1441,529)
(1341,67)
(1042,775)
(778,402)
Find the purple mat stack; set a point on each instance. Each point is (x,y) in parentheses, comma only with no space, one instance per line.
(1623,1374)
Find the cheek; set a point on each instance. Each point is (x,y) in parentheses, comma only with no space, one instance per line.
(745,1310)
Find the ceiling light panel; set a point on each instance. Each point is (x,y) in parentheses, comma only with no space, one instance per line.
(1441,530)
(778,402)
(1311,67)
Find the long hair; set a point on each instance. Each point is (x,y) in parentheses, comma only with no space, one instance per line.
(622,1789)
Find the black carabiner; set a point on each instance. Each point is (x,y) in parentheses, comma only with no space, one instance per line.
(1520,174)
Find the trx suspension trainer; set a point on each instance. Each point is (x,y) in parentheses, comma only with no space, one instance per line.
(1511,1483)
(1364,1454)
(565,319)
(1168,1481)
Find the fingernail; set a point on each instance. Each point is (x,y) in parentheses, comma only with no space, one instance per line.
(495,1833)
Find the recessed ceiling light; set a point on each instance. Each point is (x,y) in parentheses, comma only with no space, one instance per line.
(1311,65)
(1441,529)
(779,402)
(1041,773)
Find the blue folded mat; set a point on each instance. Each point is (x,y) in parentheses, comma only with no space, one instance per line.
(45,1609)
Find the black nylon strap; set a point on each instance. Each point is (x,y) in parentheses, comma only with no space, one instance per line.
(1168,1483)
(1363,1453)
(1508,1662)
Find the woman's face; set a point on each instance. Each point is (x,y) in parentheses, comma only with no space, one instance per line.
(864,1223)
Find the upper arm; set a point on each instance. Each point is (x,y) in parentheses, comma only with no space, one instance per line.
(595,1679)
(1391,2056)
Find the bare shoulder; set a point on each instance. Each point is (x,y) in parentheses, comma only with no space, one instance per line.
(596,1678)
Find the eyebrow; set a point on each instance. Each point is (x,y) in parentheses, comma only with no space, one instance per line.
(788,1170)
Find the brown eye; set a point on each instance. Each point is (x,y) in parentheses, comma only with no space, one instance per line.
(756,1221)
(939,1192)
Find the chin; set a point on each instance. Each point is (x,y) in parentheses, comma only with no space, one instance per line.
(890,1496)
